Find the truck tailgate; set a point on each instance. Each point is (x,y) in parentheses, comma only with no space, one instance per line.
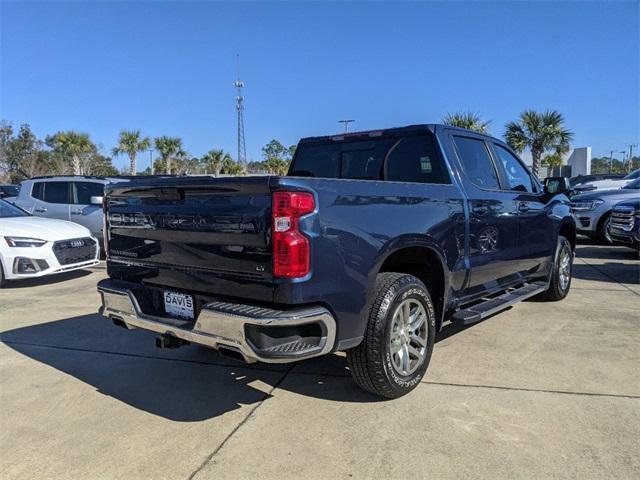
(202,234)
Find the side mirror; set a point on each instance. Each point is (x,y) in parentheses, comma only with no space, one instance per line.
(96,200)
(554,185)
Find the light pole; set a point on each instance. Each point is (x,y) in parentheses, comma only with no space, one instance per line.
(151,159)
(611,161)
(346,124)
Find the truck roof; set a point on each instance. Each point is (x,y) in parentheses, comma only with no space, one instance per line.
(394,131)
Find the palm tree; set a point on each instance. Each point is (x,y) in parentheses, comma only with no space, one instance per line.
(541,132)
(214,161)
(169,148)
(468,120)
(231,167)
(73,147)
(131,142)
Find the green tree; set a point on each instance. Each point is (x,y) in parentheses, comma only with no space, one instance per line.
(541,132)
(552,160)
(75,148)
(131,142)
(214,161)
(101,165)
(468,120)
(169,148)
(277,157)
(231,167)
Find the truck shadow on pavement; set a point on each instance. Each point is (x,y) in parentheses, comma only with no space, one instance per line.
(189,384)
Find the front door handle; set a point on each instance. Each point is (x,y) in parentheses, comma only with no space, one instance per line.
(523,208)
(76,212)
(40,209)
(480,209)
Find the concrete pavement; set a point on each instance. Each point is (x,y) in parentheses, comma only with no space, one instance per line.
(543,390)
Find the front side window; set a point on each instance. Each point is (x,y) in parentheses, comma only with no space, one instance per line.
(415,159)
(56,192)
(476,162)
(83,191)
(518,177)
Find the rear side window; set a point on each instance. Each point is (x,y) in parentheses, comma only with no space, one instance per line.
(56,192)
(37,191)
(517,176)
(415,159)
(83,191)
(476,162)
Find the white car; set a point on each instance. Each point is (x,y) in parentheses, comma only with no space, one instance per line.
(609,184)
(35,246)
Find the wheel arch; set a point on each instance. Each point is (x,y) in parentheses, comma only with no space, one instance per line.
(568,230)
(425,262)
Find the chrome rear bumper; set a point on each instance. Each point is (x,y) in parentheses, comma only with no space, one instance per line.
(222,325)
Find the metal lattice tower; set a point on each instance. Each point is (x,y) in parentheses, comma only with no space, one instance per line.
(242,149)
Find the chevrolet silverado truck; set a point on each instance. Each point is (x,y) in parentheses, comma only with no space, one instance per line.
(369,245)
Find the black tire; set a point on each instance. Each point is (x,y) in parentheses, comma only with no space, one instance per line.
(603,232)
(556,289)
(3,281)
(371,362)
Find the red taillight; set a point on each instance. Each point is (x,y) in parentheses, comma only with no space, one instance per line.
(291,250)
(105,226)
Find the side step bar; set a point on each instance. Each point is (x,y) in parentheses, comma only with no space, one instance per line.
(492,305)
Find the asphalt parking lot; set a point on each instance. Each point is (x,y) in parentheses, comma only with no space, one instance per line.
(542,390)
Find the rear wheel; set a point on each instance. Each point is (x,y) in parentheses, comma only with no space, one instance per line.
(399,338)
(562,271)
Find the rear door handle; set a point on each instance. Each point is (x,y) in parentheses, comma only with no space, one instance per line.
(41,210)
(523,208)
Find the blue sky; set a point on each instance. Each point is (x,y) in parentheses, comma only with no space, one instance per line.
(168,68)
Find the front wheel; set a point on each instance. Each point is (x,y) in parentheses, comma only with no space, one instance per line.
(562,271)
(603,229)
(395,352)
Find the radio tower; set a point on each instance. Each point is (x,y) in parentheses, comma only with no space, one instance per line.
(239,84)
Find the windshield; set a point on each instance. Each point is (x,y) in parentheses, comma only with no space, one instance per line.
(633,175)
(635,185)
(9,211)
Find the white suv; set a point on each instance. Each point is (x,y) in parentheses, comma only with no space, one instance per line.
(74,198)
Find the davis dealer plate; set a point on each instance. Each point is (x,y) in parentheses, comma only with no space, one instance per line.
(178,304)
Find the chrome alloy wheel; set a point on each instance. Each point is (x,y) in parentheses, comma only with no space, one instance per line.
(564,268)
(408,337)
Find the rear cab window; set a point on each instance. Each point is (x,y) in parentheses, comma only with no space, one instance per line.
(399,158)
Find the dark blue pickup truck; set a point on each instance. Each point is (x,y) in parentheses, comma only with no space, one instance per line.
(370,243)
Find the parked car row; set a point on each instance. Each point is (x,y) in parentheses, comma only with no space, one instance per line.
(72,198)
(593,211)
(603,181)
